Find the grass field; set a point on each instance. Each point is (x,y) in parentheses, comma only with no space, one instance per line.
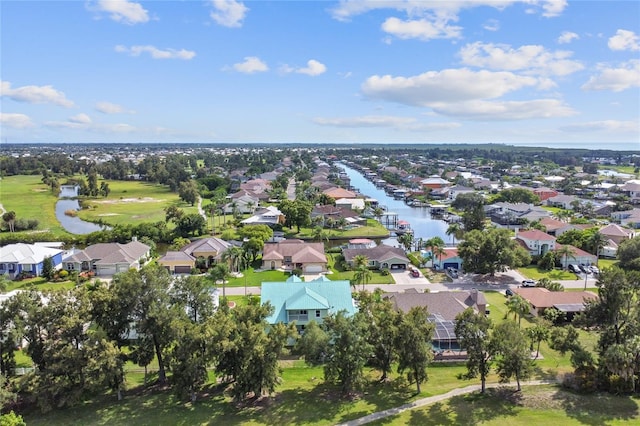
(535,405)
(534,273)
(30,199)
(133,202)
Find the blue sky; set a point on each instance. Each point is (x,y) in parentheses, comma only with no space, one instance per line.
(549,73)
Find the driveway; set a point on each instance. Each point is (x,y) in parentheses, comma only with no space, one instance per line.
(404,277)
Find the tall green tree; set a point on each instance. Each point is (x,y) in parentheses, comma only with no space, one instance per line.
(349,350)
(473,331)
(188,191)
(511,345)
(491,251)
(518,306)
(415,353)
(47,268)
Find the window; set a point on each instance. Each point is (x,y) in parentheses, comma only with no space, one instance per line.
(303,312)
(70,266)
(317,314)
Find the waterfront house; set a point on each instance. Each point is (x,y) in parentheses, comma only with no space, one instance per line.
(293,254)
(380,257)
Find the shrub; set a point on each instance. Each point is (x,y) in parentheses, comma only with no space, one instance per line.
(63,274)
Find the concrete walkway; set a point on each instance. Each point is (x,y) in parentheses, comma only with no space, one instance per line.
(430,400)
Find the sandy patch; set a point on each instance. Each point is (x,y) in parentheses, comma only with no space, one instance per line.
(127,200)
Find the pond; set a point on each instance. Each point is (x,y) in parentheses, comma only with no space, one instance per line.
(73,224)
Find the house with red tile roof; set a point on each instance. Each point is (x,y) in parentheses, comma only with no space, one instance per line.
(337,193)
(536,242)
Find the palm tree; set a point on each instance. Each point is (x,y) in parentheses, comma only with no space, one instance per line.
(320,234)
(362,275)
(597,242)
(406,240)
(518,306)
(565,252)
(360,260)
(232,256)
(455,230)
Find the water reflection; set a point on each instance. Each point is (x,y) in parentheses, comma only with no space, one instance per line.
(72,224)
(423,225)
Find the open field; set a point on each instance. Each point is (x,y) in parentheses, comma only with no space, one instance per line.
(535,405)
(30,199)
(534,273)
(132,202)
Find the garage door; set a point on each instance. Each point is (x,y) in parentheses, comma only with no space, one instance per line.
(313,269)
(106,270)
(183,269)
(453,265)
(398,266)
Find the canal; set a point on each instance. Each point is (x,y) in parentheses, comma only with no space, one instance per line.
(423,225)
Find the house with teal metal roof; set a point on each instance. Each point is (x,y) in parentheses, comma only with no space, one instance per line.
(302,302)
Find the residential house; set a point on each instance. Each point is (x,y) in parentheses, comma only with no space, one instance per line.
(109,258)
(265,216)
(562,201)
(28,259)
(536,242)
(302,302)
(380,257)
(293,254)
(545,193)
(242,202)
(361,243)
(556,227)
(456,190)
(514,215)
(178,262)
(568,302)
(616,233)
(334,214)
(258,188)
(351,203)
(609,250)
(448,259)
(338,193)
(211,249)
(630,218)
(443,308)
(435,182)
(632,189)
(579,256)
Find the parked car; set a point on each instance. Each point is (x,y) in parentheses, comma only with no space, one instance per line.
(584,268)
(415,273)
(594,270)
(453,273)
(574,268)
(508,292)
(528,283)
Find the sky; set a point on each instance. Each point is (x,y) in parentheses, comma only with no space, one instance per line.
(533,72)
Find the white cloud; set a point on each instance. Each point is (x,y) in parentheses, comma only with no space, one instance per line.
(553,8)
(16,121)
(111,108)
(80,119)
(567,37)
(251,64)
(624,40)
(421,29)
(228,13)
(605,125)
(491,25)
(35,94)
(616,79)
(156,53)
(313,68)
(346,9)
(124,11)
(505,111)
(531,58)
(382,121)
(450,85)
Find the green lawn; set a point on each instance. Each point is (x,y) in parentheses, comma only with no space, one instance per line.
(39,283)
(132,202)
(373,229)
(340,274)
(31,199)
(253,278)
(534,273)
(535,405)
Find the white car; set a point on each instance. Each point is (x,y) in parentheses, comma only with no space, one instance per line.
(528,283)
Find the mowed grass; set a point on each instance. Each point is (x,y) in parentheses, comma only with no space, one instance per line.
(132,202)
(534,273)
(535,405)
(31,199)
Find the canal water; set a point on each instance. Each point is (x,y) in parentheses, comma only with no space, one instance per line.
(72,224)
(423,225)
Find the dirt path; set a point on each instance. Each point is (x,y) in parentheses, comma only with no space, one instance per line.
(432,399)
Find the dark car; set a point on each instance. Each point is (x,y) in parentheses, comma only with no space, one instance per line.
(508,292)
(415,273)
